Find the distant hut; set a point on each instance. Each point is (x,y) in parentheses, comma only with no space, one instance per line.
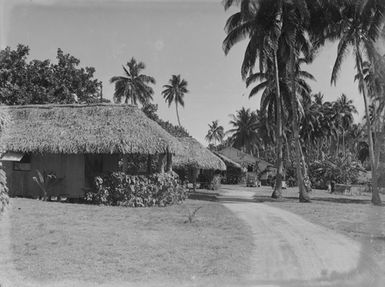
(78,142)
(251,163)
(234,171)
(197,161)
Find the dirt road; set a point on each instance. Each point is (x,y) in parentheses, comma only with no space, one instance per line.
(290,251)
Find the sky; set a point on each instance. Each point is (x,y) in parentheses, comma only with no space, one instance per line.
(171,37)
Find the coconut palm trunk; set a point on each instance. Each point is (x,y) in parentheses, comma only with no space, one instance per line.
(277,193)
(177,113)
(278,181)
(302,176)
(287,150)
(376,200)
(343,142)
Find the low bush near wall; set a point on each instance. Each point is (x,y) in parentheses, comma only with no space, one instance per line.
(216,182)
(122,189)
(4,200)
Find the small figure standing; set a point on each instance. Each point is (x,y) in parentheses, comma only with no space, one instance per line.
(332,186)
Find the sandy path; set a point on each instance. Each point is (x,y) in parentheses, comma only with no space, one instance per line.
(290,251)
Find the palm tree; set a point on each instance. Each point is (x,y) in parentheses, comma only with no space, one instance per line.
(319,98)
(270,107)
(272,27)
(310,123)
(216,133)
(133,86)
(174,92)
(244,133)
(344,110)
(359,27)
(254,20)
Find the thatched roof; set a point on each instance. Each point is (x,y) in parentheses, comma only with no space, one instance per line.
(71,129)
(196,155)
(238,156)
(245,159)
(228,161)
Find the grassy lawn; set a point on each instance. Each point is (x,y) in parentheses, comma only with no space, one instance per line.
(353,216)
(61,241)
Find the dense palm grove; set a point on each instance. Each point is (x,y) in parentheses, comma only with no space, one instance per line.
(283,36)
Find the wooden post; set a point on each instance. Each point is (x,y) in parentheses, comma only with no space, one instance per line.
(161,163)
(195,172)
(169,162)
(149,167)
(124,163)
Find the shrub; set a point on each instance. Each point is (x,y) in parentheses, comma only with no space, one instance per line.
(4,199)
(216,182)
(210,180)
(342,169)
(121,189)
(46,182)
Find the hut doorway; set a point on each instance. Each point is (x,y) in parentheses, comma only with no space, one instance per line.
(93,166)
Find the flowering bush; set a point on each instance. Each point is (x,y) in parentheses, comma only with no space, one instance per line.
(4,200)
(121,189)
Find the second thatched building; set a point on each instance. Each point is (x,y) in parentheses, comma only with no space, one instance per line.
(196,163)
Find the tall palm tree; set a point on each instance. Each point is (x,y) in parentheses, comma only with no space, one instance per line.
(271,107)
(174,92)
(296,48)
(216,133)
(263,26)
(271,26)
(133,86)
(359,28)
(244,134)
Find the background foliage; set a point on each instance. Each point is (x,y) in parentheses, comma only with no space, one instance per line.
(43,82)
(151,111)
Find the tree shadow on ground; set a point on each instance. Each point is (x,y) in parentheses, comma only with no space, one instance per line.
(266,198)
(342,200)
(229,199)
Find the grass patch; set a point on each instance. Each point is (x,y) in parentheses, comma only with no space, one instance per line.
(56,241)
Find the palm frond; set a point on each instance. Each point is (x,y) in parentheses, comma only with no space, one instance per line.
(341,52)
(236,35)
(234,21)
(258,88)
(256,77)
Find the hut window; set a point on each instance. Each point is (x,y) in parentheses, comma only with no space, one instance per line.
(24,164)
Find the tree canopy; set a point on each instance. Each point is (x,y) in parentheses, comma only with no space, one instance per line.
(25,82)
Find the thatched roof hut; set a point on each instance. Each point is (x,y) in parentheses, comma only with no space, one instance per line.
(228,162)
(76,129)
(76,143)
(195,155)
